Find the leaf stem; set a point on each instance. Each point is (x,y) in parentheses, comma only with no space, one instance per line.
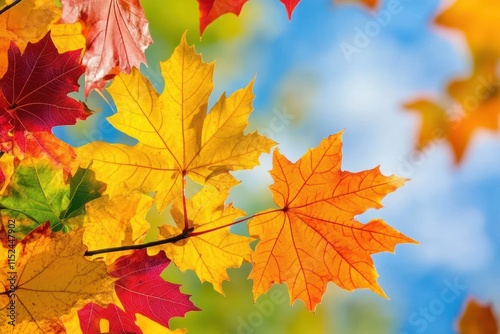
(184,205)
(184,235)
(194,234)
(7,7)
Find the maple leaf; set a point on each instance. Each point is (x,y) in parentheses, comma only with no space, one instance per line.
(51,271)
(212,9)
(211,248)
(313,238)
(119,322)
(29,21)
(93,319)
(477,107)
(116,222)
(83,188)
(89,320)
(290,6)
(117,35)
(478,20)
(28,106)
(176,136)
(477,97)
(141,289)
(38,192)
(478,319)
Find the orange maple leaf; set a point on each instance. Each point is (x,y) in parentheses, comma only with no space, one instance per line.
(476,106)
(478,20)
(313,238)
(477,319)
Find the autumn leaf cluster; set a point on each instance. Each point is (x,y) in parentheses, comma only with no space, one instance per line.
(472,103)
(81,254)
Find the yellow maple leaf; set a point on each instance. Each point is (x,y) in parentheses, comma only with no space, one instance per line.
(29,21)
(51,278)
(434,124)
(211,248)
(479,20)
(116,222)
(176,136)
(313,237)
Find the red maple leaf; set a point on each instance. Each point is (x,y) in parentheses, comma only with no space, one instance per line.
(142,290)
(117,35)
(34,92)
(212,9)
(119,322)
(290,6)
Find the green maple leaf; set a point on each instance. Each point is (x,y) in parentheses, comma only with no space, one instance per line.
(39,193)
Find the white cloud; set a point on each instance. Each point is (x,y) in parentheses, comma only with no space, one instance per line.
(454,238)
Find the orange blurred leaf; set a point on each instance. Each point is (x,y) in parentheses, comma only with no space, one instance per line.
(478,319)
(478,20)
(476,106)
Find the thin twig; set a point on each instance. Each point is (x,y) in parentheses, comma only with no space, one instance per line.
(171,240)
(7,7)
(184,235)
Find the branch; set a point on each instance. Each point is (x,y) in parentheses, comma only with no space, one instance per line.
(182,236)
(7,7)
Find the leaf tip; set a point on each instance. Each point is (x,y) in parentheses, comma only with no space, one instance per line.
(184,39)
